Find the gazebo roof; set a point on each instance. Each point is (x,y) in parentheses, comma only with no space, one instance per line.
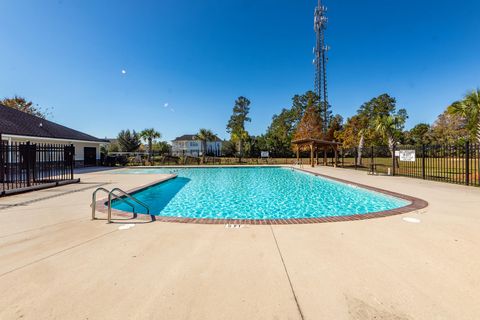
(315,141)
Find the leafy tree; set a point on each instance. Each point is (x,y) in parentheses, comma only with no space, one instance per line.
(236,124)
(469,108)
(370,121)
(129,141)
(420,134)
(349,135)
(280,132)
(450,128)
(255,145)
(335,126)
(21,104)
(149,135)
(113,147)
(260,144)
(205,135)
(229,148)
(162,147)
(301,102)
(310,127)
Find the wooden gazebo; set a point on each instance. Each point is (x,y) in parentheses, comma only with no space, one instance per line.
(315,145)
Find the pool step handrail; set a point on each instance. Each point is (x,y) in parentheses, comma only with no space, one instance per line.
(94,200)
(112,195)
(124,194)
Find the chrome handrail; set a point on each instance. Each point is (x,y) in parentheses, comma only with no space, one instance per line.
(127,202)
(94,200)
(111,193)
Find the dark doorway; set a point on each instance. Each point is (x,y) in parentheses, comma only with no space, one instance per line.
(90,156)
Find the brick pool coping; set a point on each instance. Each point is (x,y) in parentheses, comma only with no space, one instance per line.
(415,204)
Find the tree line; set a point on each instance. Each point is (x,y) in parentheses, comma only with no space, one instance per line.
(377,122)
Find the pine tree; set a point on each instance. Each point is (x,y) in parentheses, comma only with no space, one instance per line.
(310,127)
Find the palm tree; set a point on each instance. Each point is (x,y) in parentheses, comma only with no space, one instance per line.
(205,135)
(361,144)
(387,126)
(390,127)
(129,141)
(149,135)
(469,108)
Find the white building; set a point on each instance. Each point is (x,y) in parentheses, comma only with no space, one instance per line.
(19,127)
(189,145)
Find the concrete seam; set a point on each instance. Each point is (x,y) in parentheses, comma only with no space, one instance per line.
(288,276)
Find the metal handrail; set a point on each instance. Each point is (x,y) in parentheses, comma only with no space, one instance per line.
(94,200)
(127,202)
(111,193)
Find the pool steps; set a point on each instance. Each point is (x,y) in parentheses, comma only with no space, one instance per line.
(112,195)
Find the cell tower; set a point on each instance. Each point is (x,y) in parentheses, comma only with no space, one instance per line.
(320,62)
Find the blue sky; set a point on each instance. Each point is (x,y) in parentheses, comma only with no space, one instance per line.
(187,61)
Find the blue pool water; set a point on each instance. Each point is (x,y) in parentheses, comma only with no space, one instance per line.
(255,193)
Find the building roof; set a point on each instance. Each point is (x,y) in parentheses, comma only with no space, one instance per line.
(191,137)
(19,123)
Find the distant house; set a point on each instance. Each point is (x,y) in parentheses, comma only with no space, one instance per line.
(189,145)
(17,127)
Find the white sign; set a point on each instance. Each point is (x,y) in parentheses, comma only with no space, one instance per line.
(397,153)
(407,155)
(264,154)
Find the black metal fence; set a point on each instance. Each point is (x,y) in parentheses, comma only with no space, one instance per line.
(458,163)
(163,159)
(24,165)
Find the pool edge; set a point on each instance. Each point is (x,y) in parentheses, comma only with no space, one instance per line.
(415,205)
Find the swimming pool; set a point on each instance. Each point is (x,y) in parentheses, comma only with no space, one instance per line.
(252,193)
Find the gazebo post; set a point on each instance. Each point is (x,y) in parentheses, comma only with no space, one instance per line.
(311,155)
(316,146)
(336,156)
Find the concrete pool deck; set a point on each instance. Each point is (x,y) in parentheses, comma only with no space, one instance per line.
(58,264)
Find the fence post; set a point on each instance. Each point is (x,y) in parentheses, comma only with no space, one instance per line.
(467,163)
(355,154)
(424,151)
(372,161)
(72,160)
(394,160)
(26,159)
(2,166)
(343,158)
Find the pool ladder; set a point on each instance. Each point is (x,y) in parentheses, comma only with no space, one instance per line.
(112,196)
